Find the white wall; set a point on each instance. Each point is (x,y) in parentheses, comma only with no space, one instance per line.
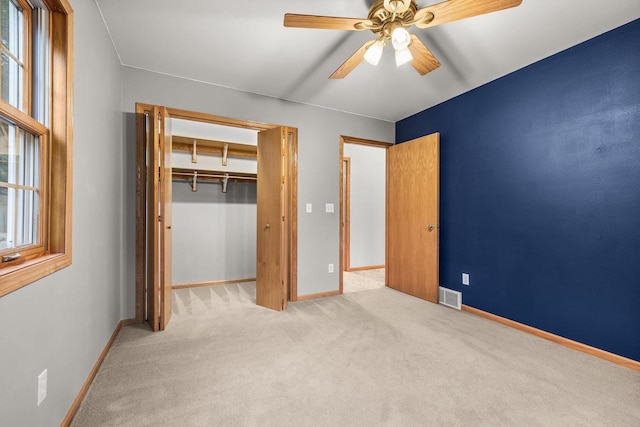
(62,322)
(194,129)
(319,131)
(214,233)
(367,220)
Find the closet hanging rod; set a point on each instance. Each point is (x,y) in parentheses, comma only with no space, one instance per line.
(217,176)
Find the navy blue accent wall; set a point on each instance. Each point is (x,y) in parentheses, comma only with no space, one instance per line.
(540,192)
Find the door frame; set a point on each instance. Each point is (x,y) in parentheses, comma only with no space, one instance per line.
(345,214)
(291,198)
(344,139)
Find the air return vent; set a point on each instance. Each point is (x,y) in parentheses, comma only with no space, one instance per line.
(451,298)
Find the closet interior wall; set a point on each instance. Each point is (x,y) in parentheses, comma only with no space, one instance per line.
(214,203)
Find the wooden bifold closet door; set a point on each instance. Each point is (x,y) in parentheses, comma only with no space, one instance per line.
(158,292)
(165,217)
(152,290)
(271,288)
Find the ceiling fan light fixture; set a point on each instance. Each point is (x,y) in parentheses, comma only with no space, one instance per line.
(400,38)
(374,52)
(403,56)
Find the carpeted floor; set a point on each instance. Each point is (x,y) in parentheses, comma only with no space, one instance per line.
(373,358)
(364,280)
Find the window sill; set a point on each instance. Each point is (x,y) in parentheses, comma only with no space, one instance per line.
(14,277)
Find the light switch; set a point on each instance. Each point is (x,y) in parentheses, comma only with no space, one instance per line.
(309,208)
(329,207)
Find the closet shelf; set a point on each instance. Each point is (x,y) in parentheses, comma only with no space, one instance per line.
(186,143)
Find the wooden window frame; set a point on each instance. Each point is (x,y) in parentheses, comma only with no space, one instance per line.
(58,189)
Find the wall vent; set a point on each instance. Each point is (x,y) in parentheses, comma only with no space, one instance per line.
(450,298)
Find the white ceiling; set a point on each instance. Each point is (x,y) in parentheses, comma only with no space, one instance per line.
(244,45)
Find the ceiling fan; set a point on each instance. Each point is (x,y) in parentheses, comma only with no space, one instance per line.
(389,20)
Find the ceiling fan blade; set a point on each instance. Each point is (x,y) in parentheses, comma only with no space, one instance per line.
(326,22)
(352,62)
(423,60)
(454,10)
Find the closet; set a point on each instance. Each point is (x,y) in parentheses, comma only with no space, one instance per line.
(204,184)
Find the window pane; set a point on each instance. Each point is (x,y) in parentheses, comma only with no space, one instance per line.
(4,151)
(11,19)
(12,61)
(7,215)
(9,159)
(27,218)
(4,21)
(27,159)
(18,218)
(12,81)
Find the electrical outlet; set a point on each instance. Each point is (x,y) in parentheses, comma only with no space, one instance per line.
(329,208)
(465,279)
(42,386)
(330,268)
(309,207)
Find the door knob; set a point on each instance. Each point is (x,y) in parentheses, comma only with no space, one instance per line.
(432,226)
(267,226)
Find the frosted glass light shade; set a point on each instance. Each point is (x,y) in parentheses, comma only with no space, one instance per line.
(374,53)
(403,56)
(400,38)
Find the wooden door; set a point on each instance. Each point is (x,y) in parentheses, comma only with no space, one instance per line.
(271,290)
(165,218)
(413,182)
(152,289)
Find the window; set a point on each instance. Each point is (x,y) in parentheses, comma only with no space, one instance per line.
(20,188)
(35,140)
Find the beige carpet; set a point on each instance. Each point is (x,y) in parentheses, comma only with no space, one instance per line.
(375,358)
(365,280)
